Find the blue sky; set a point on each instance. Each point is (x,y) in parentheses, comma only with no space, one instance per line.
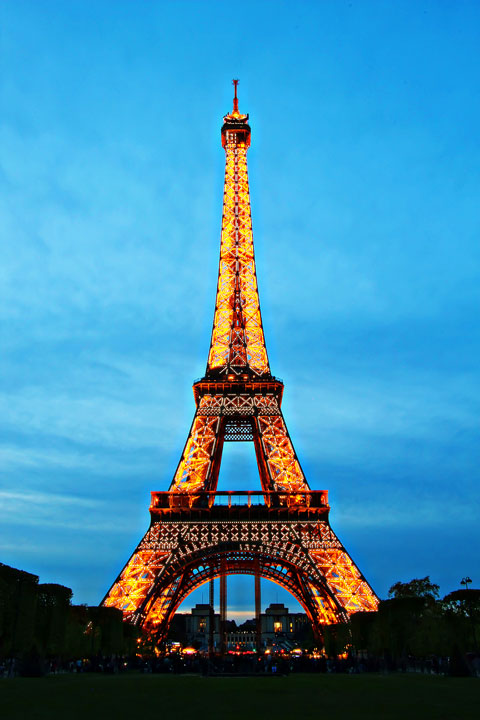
(364,172)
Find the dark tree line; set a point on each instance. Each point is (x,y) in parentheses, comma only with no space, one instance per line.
(38,623)
(415,626)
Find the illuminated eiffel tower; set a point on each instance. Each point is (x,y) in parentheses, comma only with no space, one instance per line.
(281,532)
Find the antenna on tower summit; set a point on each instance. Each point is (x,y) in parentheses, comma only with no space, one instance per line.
(235,99)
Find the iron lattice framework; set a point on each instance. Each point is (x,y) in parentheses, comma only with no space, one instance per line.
(196,533)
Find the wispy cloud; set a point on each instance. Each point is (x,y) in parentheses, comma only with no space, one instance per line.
(50,510)
(99,420)
(383,516)
(47,499)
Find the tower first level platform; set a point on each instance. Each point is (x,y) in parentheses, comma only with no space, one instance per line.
(278,536)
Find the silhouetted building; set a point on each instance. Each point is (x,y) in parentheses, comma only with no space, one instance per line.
(279,627)
(197,626)
(279,624)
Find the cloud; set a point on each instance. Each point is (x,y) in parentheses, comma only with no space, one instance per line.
(46,499)
(389,514)
(88,232)
(115,406)
(17,457)
(56,510)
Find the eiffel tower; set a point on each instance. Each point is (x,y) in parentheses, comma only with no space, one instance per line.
(282,532)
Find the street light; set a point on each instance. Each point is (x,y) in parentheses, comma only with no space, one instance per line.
(465,581)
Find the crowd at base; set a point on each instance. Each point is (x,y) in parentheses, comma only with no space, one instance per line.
(281,666)
(242,665)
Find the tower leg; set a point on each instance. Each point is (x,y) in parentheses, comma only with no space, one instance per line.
(211,620)
(258,610)
(223,614)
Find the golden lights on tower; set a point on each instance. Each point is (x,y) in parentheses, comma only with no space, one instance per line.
(288,538)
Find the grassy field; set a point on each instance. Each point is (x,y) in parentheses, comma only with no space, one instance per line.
(133,696)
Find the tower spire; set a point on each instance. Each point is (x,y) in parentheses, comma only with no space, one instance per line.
(235,99)
(238,343)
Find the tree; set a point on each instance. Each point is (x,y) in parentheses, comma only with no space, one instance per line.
(18,603)
(53,606)
(336,639)
(363,626)
(410,621)
(462,612)
(418,588)
(464,602)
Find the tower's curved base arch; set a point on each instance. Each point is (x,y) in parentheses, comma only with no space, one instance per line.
(304,557)
(159,607)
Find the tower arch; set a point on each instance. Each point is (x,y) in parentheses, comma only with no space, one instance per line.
(230,558)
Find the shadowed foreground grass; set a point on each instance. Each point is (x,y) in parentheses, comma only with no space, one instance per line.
(90,696)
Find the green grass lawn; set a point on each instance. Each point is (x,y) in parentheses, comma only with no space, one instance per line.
(142,697)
